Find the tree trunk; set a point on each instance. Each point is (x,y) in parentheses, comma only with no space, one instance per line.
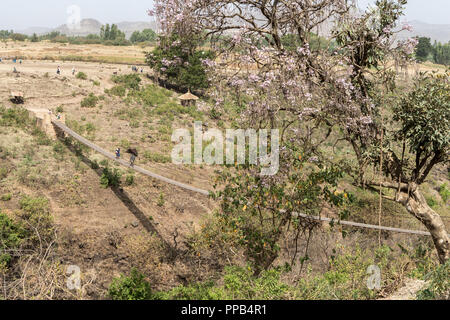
(418,207)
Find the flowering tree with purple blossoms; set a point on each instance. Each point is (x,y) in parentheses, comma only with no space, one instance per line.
(309,93)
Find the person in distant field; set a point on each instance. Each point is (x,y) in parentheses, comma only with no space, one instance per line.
(20,61)
(58,71)
(142,70)
(118,153)
(58,117)
(1,60)
(73,71)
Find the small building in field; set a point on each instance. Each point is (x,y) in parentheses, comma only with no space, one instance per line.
(188,99)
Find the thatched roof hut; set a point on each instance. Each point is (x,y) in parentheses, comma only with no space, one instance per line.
(188,99)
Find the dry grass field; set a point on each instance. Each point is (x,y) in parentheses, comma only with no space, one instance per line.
(46,50)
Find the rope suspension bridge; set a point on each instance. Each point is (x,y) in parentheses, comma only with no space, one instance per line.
(145,172)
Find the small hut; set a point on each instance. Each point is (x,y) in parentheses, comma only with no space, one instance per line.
(188,99)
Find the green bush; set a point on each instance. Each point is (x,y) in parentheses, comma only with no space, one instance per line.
(81,75)
(118,91)
(444,192)
(6,197)
(161,200)
(90,101)
(156,157)
(431,201)
(129,81)
(129,180)
(14,117)
(238,284)
(39,219)
(133,287)
(3,173)
(11,236)
(439,287)
(41,138)
(110,178)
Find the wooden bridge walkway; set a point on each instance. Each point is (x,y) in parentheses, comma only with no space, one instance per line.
(138,169)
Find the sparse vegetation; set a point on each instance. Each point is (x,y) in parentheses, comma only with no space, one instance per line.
(81,75)
(90,101)
(133,287)
(110,178)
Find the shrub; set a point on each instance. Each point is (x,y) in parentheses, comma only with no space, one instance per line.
(90,101)
(41,138)
(6,197)
(11,236)
(118,91)
(156,157)
(3,173)
(161,200)
(238,284)
(130,81)
(110,178)
(129,179)
(81,75)
(439,287)
(60,109)
(133,287)
(15,117)
(431,201)
(39,220)
(444,192)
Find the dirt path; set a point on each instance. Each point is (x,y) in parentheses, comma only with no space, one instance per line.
(408,291)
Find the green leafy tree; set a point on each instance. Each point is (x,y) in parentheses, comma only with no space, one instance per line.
(441,53)
(18,37)
(424,49)
(34,38)
(144,36)
(180,62)
(112,32)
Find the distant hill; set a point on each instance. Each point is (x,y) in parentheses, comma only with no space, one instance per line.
(37,30)
(87,26)
(91,26)
(438,32)
(130,27)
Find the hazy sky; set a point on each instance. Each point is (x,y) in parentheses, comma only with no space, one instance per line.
(52,13)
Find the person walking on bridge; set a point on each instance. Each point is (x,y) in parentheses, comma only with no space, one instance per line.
(134,155)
